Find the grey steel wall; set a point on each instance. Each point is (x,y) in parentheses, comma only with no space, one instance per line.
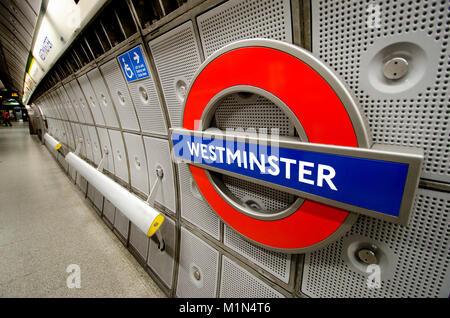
(205,258)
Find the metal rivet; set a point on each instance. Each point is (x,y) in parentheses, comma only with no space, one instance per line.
(197,275)
(159,172)
(395,68)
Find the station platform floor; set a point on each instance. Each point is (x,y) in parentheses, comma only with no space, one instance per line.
(46,225)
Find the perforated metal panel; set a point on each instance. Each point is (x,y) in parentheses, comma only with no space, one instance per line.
(277,264)
(82,183)
(119,93)
(251,112)
(103,98)
(74,102)
(355,38)
(91,192)
(139,240)
(119,154)
(193,207)
(90,101)
(244,19)
(96,150)
(422,249)
(63,162)
(198,268)
(61,106)
(98,201)
(106,149)
(66,104)
(72,173)
(77,131)
(148,106)
(87,141)
(162,262)
(121,223)
(70,138)
(158,156)
(138,162)
(58,106)
(237,282)
(109,210)
(78,98)
(176,58)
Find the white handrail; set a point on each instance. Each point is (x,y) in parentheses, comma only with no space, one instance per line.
(139,212)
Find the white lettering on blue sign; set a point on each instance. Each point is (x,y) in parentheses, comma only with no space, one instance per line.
(359,182)
(45,49)
(133,64)
(318,173)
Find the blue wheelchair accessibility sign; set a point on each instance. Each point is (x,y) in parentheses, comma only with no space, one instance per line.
(133,64)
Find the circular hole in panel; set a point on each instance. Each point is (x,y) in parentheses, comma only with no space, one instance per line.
(92,101)
(249,112)
(359,252)
(121,98)
(137,162)
(181,89)
(144,95)
(103,97)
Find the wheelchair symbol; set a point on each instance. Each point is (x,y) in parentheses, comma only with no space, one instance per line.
(128,70)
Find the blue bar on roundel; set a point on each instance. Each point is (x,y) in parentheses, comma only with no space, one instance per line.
(366,183)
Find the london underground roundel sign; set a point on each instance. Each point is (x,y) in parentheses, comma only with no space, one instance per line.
(333,167)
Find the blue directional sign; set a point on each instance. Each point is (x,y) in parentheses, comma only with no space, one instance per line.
(133,64)
(360,180)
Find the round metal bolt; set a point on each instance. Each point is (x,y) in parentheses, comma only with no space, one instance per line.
(395,68)
(159,172)
(367,256)
(197,275)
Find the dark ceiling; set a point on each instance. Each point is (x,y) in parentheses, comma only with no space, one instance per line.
(17,23)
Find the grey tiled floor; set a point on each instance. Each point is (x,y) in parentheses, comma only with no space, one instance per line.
(46,225)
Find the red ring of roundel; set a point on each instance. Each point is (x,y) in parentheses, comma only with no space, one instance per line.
(320,112)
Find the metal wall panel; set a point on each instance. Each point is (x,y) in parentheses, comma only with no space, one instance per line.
(414,260)
(139,240)
(138,162)
(237,282)
(109,211)
(158,156)
(244,19)
(120,95)
(193,206)
(276,263)
(162,262)
(98,201)
(70,136)
(148,106)
(177,58)
(75,103)
(356,40)
(78,97)
(79,137)
(198,268)
(91,100)
(121,224)
(82,183)
(87,142)
(67,105)
(103,98)
(119,154)
(107,151)
(96,146)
